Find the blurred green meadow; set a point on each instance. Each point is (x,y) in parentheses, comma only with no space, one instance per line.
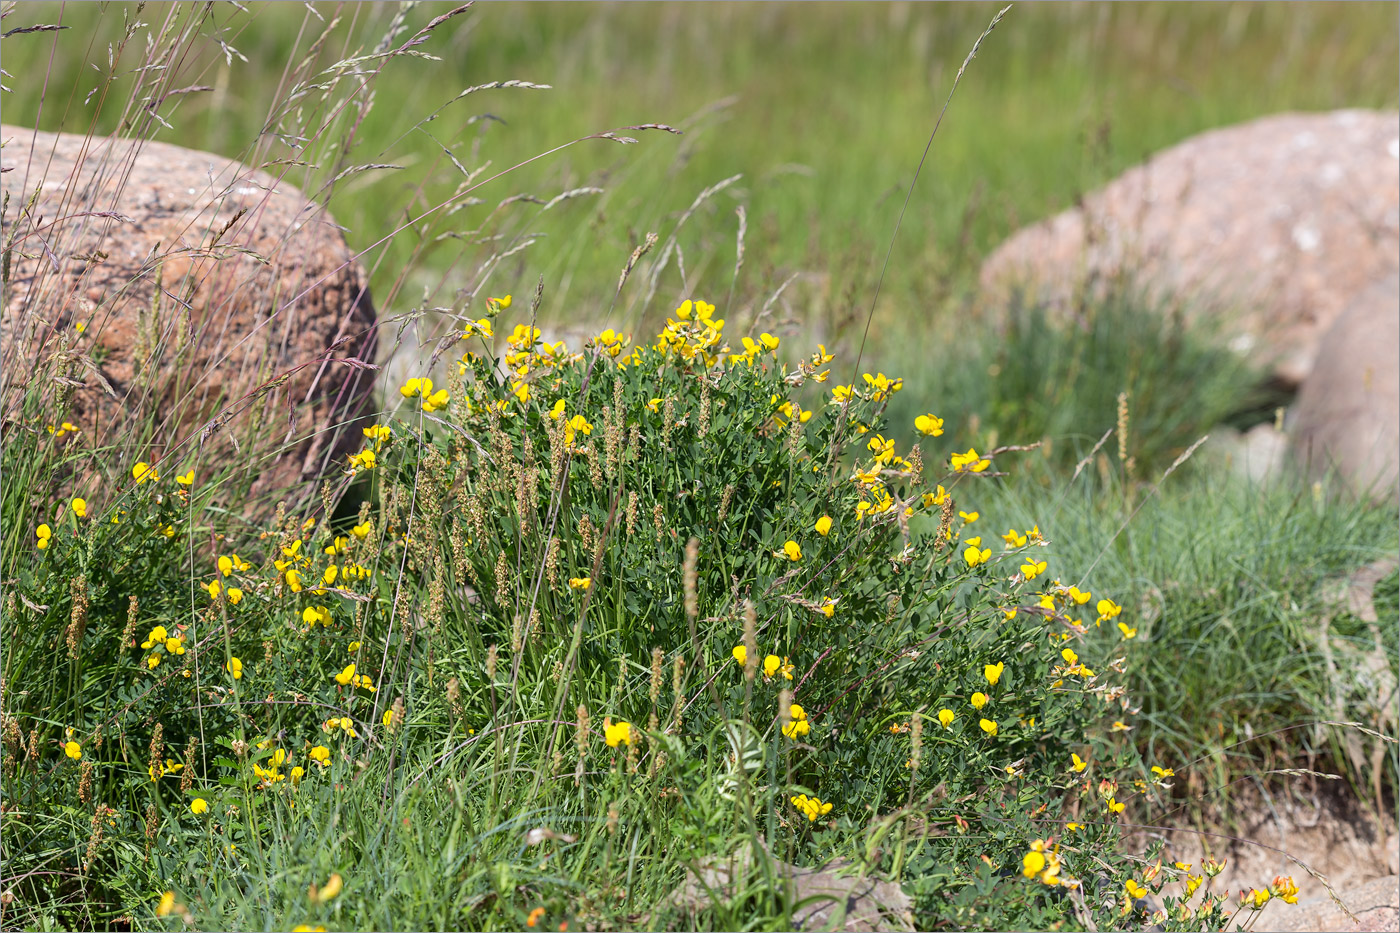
(822,110)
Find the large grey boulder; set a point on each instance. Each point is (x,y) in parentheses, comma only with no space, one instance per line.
(1276,225)
(1347,418)
(216,301)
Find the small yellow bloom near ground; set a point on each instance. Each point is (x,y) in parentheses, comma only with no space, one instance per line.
(740,654)
(320,754)
(773,665)
(989,726)
(580,583)
(1080,597)
(1079,764)
(828,607)
(1134,890)
(979,700)
(792,550)
(799,725)
(234,667)
(1033,568)
(1114,806)
(345,676)
(1127,631)
(1014,538)
(974,556)
(166,906)
(328,891)
(619,733)
(144,473)
(823,526)
(993,672)
(42,534)
(80,508)
(811,807)
(1108,609)
(186,479)
(199,806)
(73,750)
(945,717)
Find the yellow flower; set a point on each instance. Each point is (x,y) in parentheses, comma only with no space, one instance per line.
(431,403)
(618,733)
(344,676)
(199,806)
(969,517)
(1079,596)
(294,581)
(42,534)
(166,905)
(159,771)
(498,304)
(841,393)
(1192,883)
(174,646)
(388,718)
(930,499)
(362,530)
(799,724)
(973,556)
(793,550)
(1070,657)
(1114,806)
(970,462)
(153,662)
(187,479)
(577,424)
(1163,773)
(1134,890)
(235,595)
(1284,889)
(823,526)
(771,665)
(1108,609)
(1032,568)
(1014,538)
(828,607)
(1119,726)
(1079,763)
(993,672)
(979,700)
(320,754)
(234,667)
(214,588)
(73,750)
(144,473)
(741,654)
(929,424)
(327,892)
(811,807)
(1128,632)
(989,726)
(416,386)
(945,716)
(313,614)
(80,508)
(580,583)
(1032,864)
(1255,899)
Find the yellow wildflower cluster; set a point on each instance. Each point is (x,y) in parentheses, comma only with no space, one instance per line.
(811,807)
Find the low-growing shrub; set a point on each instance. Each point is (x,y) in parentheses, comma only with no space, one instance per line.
(604,613)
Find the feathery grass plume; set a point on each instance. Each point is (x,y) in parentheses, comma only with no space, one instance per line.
(78,614)
(551,563)
(945,522)
(916,465)
(724,500)
(621,686)
(668,420)
(437,593)
(100,814)
(14,743)
(634,444)
(595,466)
(690,577)
(702,422)
(637,254)
(462,568)
(517,631)
(750,640)
(1122,427)
(784,710)
(612,819)
(454,700)
(612,441)
(677,682)
(187,775)
(268,648)
(631,514)
(916,745)
(585,533)
(31,757)
(658,519)
(492,656)
(152,827)
(504,596)
(533,626)
(85,782)
(157,749)
(396,714)
(580,740)
(658,657)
